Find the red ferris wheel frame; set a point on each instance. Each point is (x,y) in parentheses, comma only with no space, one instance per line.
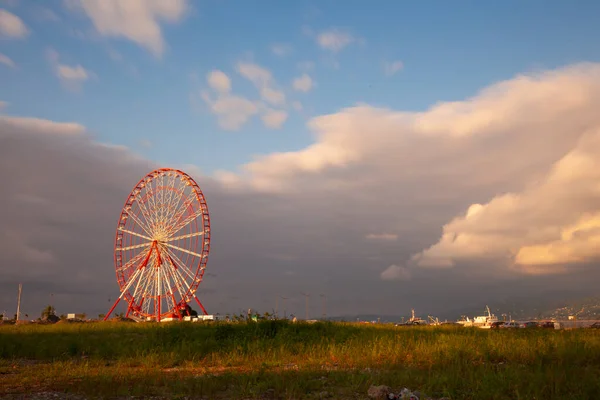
(158,253)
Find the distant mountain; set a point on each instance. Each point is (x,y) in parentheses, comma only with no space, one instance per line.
(519,309)
(366,317)
(588,308)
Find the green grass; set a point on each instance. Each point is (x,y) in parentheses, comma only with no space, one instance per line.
(297,360)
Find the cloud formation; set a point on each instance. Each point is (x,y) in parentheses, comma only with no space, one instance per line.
(274,119)
(390,68)
(72,77)
(551,224)
(382,236)
(264,82)
(303,83)
(135,20)
(12,26)
(493,148)
(502,185)
(281,49)
(234,111)
(219,81)
(4,59)
(395,273)
(334,40)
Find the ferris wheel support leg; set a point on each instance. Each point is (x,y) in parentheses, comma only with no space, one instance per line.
(176,307)
(129,307)
(158,314)
(201,306)
(112,309)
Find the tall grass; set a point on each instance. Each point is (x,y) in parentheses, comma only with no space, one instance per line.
(245,359)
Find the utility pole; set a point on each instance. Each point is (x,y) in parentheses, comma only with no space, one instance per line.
(284,311)
(306,296)
(19,302)
(324,305)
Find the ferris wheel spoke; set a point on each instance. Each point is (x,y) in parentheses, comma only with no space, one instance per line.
(176,204)
(176,280)
(172,205)
(180,264)
(131,280)
(158,197)
(162,194)
(135,233)
(182,207)
(184,236)
(140,279)
(186,286)
(183,250)
(150,199)
(157,286)
(148,288)
(137,246)
(135,291)
(142,206)
(133,261)
(139,221)
(186,221)
(172,195)
(169,291)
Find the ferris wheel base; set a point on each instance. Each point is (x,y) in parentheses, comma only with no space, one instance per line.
(131,314)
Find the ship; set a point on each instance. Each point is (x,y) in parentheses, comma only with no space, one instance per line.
(485,321)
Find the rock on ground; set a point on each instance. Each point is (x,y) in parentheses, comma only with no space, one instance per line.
(379,392)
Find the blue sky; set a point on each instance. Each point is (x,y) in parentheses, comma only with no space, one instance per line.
(448,51)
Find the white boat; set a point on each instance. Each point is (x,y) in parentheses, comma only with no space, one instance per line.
(485,321)
(465,321)
(413,320)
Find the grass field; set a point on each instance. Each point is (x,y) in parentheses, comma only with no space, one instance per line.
(295,360)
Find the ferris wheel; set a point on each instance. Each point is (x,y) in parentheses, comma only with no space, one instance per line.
(161,246)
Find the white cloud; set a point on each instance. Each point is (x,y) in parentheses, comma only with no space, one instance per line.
(70,76)
(12,26)
(396,273)
(3,105)
(75,73)
(281,49)
(219,81)
(334,40)
(136,20)
(259,76)
(303,83)
(274,119)
(43,126)
(503,148)
(382,236)
(553,222)
(232,111)
(4,59)
(390,68)
(272,96)
(263,81)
